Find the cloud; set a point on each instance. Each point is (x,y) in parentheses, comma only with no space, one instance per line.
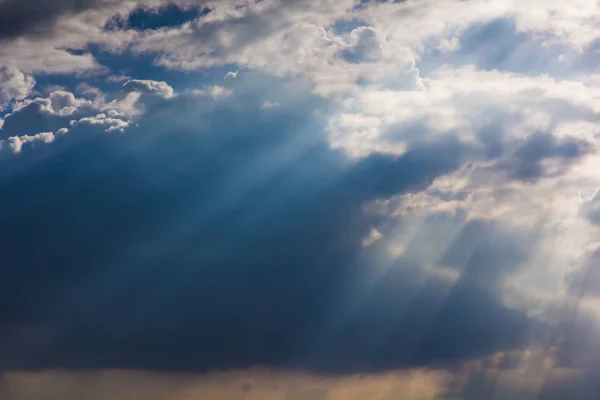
(38,17)
(214,91)
(531,373)
(253,384)
(231,74)
(148,87)
(463,100)
(135,95)
(165,224)
(591,208)
(118,78)
(14,85)
(44,114)
(585,280)
(387,186)
(15,143)
(61,32)
(270,104)
(532,158)
(36,119)
(285,39)
(114,121)
(275,37)
(365,48)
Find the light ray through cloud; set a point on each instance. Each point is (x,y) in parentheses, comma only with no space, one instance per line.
(280,199)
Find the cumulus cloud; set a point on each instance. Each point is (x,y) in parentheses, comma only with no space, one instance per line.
(161,89)
(135,95)
(43,114)
(468,101)
(14,85)
(112,122)
(15,143)
(33,120)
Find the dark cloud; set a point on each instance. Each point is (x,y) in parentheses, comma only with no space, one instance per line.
(141,18)
(347,26)
(382,175)
(492,45)
(525,163)
(37,17)
(585,281)
(218,236)
(499,45)
(367,47)
(591,209)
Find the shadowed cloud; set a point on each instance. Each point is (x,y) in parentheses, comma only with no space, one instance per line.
(175,247)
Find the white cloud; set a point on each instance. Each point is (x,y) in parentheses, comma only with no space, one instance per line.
(278,37)
(270,104)
(159,88)
(63,109)
(464,102)
(14,85)
(32,58)
(134,92)
(118,78)
(15,143)
(300,38)
(373,236)
(231,74)
(112,122)
(216,91)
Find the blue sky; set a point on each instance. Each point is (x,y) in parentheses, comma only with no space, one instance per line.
(299,199)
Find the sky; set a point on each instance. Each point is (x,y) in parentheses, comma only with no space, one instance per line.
(299,199)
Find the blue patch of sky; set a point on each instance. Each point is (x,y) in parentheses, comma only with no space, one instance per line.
(345,26)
